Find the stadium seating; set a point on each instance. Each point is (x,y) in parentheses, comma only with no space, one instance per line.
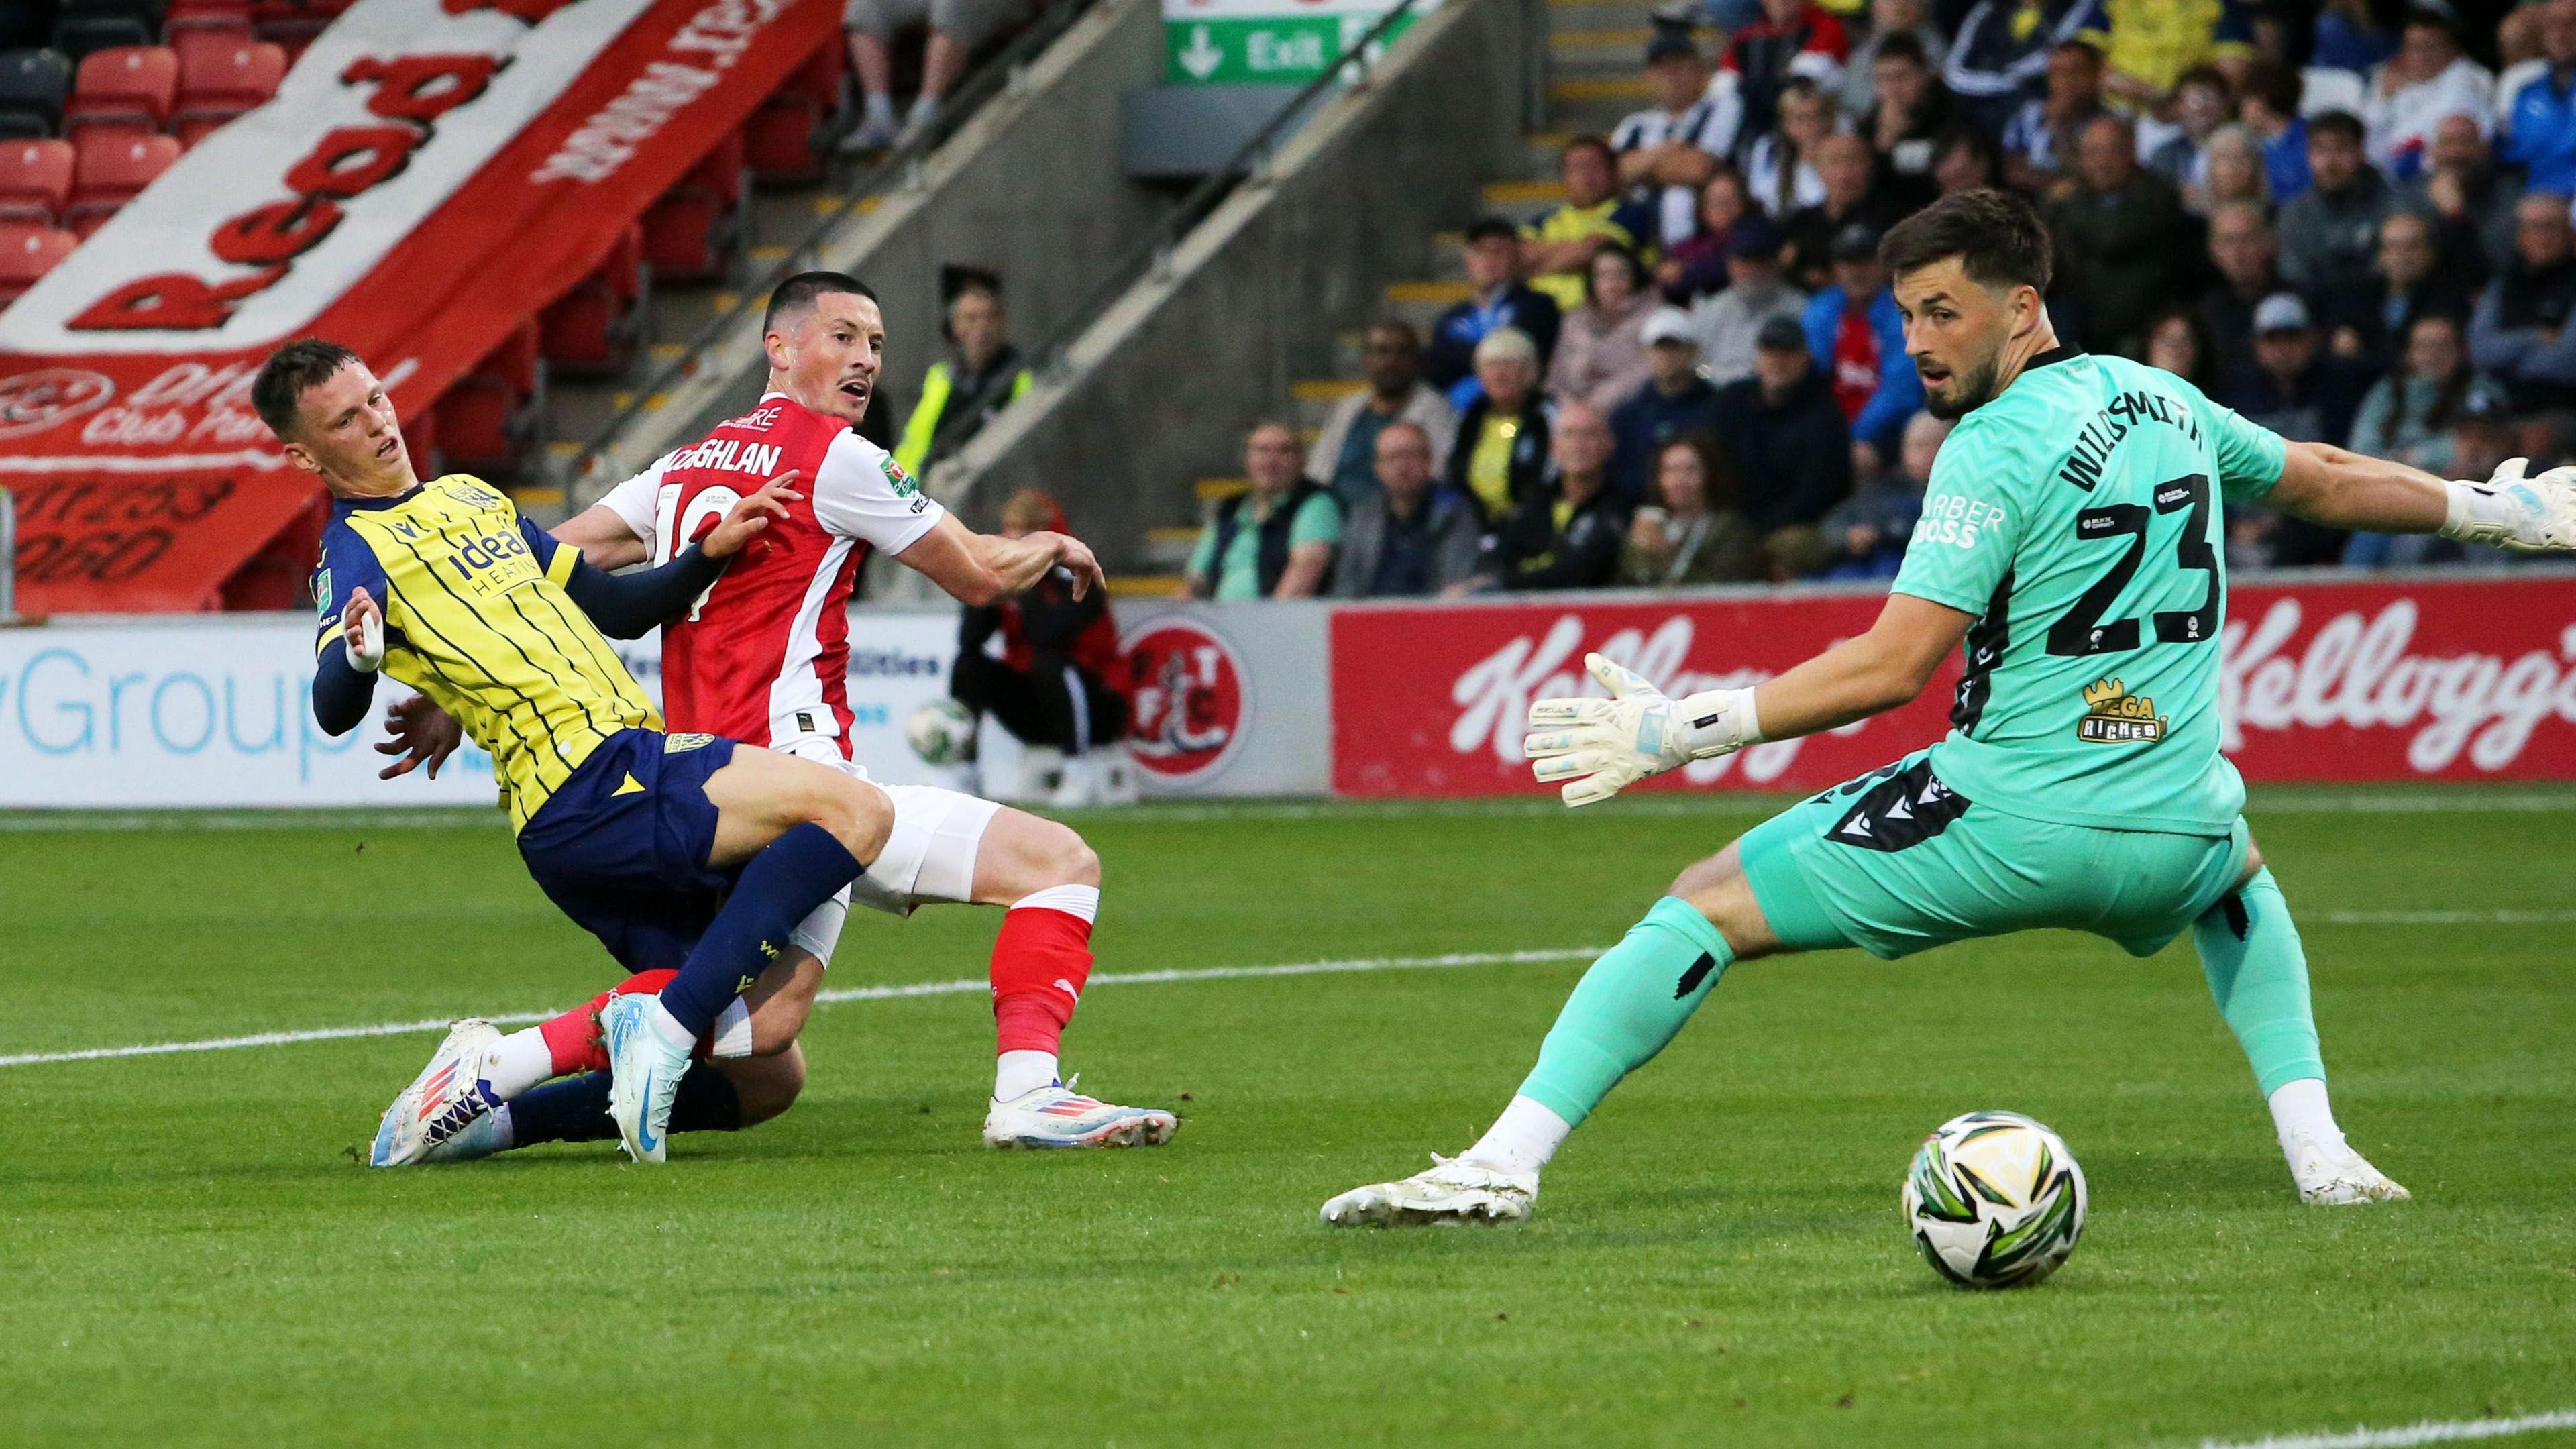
(126,91)
(109,171)
(691,232)
(26,24)
(35,180)
(220,77)
(592,330)
(292,24)
(485,419)
(214,17)
(781,139)
(27,252)
(33,84)
(86,26)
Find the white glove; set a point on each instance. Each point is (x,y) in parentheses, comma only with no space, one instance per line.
(2525,515)
(1602,746)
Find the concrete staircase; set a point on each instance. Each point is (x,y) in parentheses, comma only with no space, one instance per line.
(1596,77)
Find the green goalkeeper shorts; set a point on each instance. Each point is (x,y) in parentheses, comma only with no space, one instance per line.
(1896,862)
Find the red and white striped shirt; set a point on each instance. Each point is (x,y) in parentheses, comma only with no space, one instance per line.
(764,656)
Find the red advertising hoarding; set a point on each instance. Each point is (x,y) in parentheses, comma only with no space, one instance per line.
(2435,679)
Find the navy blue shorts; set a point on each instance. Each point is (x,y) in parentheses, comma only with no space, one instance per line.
(622,846)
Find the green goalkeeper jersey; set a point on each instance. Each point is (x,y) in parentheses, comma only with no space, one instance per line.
(2078,516)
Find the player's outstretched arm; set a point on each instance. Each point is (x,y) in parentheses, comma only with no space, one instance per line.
(2343,489)
(605,540)
(978,568)
(1598,747)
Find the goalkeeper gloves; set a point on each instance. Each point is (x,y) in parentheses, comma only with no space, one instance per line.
(1599,747)
(2525,515)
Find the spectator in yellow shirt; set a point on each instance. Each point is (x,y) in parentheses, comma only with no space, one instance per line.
(1556,252)
(2153,42)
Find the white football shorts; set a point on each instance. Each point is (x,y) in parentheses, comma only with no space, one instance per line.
(929,855)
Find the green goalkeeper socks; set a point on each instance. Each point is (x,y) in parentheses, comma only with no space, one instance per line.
(1631,1003)
(2258,971)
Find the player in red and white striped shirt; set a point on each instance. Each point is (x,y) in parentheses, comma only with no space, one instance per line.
(762,658)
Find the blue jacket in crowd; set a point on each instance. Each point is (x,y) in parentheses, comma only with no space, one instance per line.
(1900,387)
(2540,133)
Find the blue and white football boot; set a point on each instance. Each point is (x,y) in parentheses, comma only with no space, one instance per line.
(644,1076)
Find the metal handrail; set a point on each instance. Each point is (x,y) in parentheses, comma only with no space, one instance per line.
(1155,249)
(899,166)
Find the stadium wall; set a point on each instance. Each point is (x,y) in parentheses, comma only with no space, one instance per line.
(1160,391)
(2390,679)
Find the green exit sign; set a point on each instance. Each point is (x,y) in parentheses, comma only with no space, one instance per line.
(1262,49)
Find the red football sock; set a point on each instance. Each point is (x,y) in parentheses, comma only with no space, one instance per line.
(1040,962)
(574,1037)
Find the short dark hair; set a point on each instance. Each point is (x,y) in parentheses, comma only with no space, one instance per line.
(2277,86)
(2336,123)
(2204,74)
(2091,51)
(798,292)
(1591,141)
(1902,45)
(1486,228)
(278,392)
(1628,257)
(1996,235)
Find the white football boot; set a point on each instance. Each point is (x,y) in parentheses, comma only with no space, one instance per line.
(449,1095)
(2337,1176)
(644,1076)
(1055,1115)
(1453,1191)
(478,1139)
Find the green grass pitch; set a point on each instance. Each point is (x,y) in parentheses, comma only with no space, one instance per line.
(189,1256)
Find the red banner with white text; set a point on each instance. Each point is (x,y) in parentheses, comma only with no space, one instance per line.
(431,174)
(2438,679)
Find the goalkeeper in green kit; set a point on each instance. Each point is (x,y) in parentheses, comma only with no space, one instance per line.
(2072,542)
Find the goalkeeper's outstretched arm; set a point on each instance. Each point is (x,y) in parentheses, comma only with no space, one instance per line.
(2343,489)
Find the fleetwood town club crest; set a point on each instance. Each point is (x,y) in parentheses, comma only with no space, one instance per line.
(1189,705)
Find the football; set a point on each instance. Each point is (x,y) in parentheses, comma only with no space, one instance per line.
(1994,1200)
(940,731)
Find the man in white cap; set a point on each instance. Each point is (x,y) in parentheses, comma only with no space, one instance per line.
(1673,400)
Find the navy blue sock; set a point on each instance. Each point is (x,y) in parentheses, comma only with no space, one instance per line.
(572,1110)
(576,1108)
(780,887)
(706,1102)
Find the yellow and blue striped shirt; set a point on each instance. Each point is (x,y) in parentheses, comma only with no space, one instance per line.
(477,619)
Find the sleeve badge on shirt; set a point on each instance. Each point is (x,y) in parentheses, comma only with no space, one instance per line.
(2113,716)
(322,592)
(897,479)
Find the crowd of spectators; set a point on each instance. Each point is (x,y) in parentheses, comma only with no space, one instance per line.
(2348,221)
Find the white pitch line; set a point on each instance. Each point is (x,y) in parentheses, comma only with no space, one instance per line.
(2439,918)
(825,998)
(2428,1432)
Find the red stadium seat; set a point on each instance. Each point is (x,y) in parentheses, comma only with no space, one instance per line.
(592,330)
(690,233)
(35,180)
(215,17)
(126,89)
(486,418)
(109,171)
(292,24)
(27,252)
(779,138)
(220,77)
(472,424)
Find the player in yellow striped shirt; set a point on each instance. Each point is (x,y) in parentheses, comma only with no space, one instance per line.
(675,850)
